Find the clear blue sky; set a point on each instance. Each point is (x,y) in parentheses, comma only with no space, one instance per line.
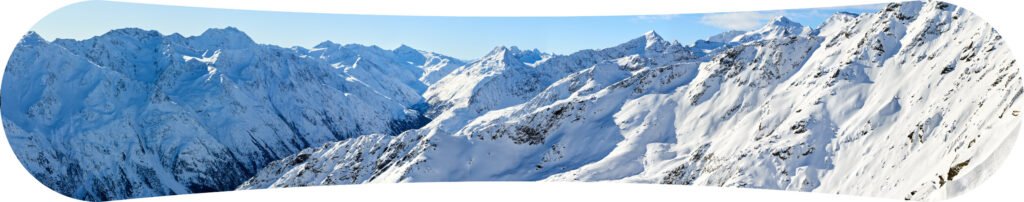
(461,37)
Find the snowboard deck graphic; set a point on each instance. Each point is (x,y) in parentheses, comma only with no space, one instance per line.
(910,100)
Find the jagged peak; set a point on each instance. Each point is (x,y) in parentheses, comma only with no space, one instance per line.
(518,50)
(905,10)
(777,27)
(675,43)
(781,22)
(652,36)
(513,54)
(32,38)
(514,49)
(352,48)
(501,49)
(650,40)
(654,41)
(500,52)
(131,32)
(361,47)
(498,48)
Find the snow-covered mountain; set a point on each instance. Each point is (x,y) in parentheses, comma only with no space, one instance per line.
(409,71)
(778,27)
(135,113)
(915,101)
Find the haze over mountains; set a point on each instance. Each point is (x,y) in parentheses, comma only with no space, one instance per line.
(927,91)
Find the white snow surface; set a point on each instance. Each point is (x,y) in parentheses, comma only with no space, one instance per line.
(916,101)
(911,102)
(135,113)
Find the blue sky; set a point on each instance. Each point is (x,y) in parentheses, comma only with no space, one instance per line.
(461,37)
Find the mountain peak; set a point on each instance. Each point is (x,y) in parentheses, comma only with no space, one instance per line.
(500,55)
(32,38)
(175,36)
(905,10)
(498,50)
(404,47)
(325,44)
(131,32)
(405,50)
(649,41)
(512,54)
(653,41)
(782,21)
(510,49)
(652,36)
(777,27)
(517,50)
(228,29)
(230,32)
(836,24)
(228,36)
(406,53)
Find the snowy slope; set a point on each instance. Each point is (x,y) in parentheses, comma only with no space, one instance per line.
(778,27)
(409,71)
(909,103)
(135,113)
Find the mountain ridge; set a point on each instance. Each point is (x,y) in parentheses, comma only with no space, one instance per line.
(782,107)
(165,114)
(789,109)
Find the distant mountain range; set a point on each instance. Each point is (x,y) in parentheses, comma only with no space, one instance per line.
(912,102)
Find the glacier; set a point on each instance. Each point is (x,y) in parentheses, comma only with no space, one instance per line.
(916,101)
